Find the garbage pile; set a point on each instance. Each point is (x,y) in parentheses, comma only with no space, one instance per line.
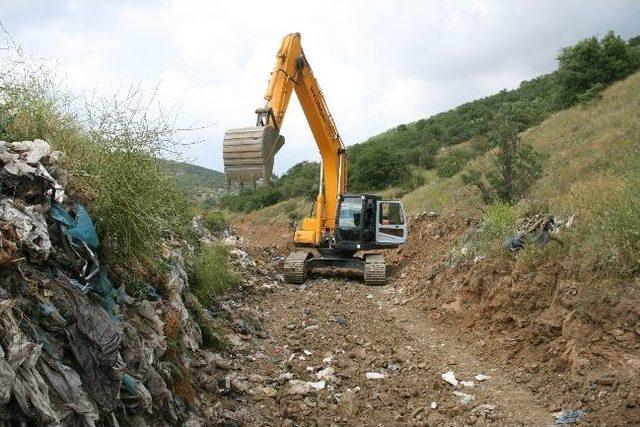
(75,349)
(539,229)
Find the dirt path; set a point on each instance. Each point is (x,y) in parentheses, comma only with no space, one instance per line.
(353,329)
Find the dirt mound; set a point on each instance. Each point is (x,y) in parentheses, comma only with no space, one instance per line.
(572,345)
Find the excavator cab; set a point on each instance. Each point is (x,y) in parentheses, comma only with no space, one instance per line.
(367,222)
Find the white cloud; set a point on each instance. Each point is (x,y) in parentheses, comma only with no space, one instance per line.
(380,63)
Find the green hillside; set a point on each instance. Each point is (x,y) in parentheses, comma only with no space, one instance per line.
(440,146)
(200,184)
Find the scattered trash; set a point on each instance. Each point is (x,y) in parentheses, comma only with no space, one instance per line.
(375,376)
(484,409)
(450,378)
(464,398)
(569,417)
(434,405)
(307,352)
(482,377)
(326,374)
(340,320)
(302,388)
(468,384)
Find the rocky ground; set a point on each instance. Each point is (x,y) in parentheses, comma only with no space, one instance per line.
(436,346)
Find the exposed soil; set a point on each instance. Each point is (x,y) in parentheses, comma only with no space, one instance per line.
(440,312)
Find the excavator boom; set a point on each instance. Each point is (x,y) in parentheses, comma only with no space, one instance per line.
(343,224)
(249,152)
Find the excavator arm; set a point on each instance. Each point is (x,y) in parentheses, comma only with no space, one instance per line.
(249,152)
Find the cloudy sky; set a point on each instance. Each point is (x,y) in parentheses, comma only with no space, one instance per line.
(379,62)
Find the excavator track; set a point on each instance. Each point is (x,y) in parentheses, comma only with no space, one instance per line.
(295,268)
(375,270)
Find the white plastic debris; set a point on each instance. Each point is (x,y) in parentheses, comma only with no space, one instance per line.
(464,398)
(327,374)
(434,405)
(482,377)
(375,376)
(297,387)
(307,352)
(328,359)
(467,383)
(450,378)
(32,151)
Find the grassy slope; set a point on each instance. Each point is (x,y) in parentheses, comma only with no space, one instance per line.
(197,181)
(588,146)
(592,173)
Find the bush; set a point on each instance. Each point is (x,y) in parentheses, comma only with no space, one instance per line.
(215,220)
(111,157)
(515,166)
(452,162)
(498,223)
(214,274)
(375,169)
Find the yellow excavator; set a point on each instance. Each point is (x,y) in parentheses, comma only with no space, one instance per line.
(344,225)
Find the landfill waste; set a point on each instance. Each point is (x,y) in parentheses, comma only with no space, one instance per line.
(375,376)
(75,348)
(450,378)
(482,377)
(464,398)
(539,229)
(569,417)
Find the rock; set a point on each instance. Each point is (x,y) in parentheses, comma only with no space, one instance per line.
(340,320)
(302,388)
(269,391)
(484,409)
(283,378)
(347,401)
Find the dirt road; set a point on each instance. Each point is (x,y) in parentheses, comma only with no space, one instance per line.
(354,330)
(336,352)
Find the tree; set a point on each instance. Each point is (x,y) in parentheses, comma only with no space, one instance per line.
(375,169)
(516,166)
(591,62)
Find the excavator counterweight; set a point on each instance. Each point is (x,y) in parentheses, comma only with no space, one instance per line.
(343,224)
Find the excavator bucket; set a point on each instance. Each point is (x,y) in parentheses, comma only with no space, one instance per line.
(248,153)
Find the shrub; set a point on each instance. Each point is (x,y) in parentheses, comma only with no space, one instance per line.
(516,166)
(498,223)
(452,162)
(111,156)
(593,62)
(214,274)
(215,220)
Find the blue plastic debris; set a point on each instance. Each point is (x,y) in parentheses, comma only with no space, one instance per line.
(569,417)
(515,242)
(81,227)
(109,295)
(130,384)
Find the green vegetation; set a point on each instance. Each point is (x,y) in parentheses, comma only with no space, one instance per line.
(111,154)
(213,273)
(215,220)
(591,64)
(498,223)
(399,156)
(299,181)
(516,166)
(200,184)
